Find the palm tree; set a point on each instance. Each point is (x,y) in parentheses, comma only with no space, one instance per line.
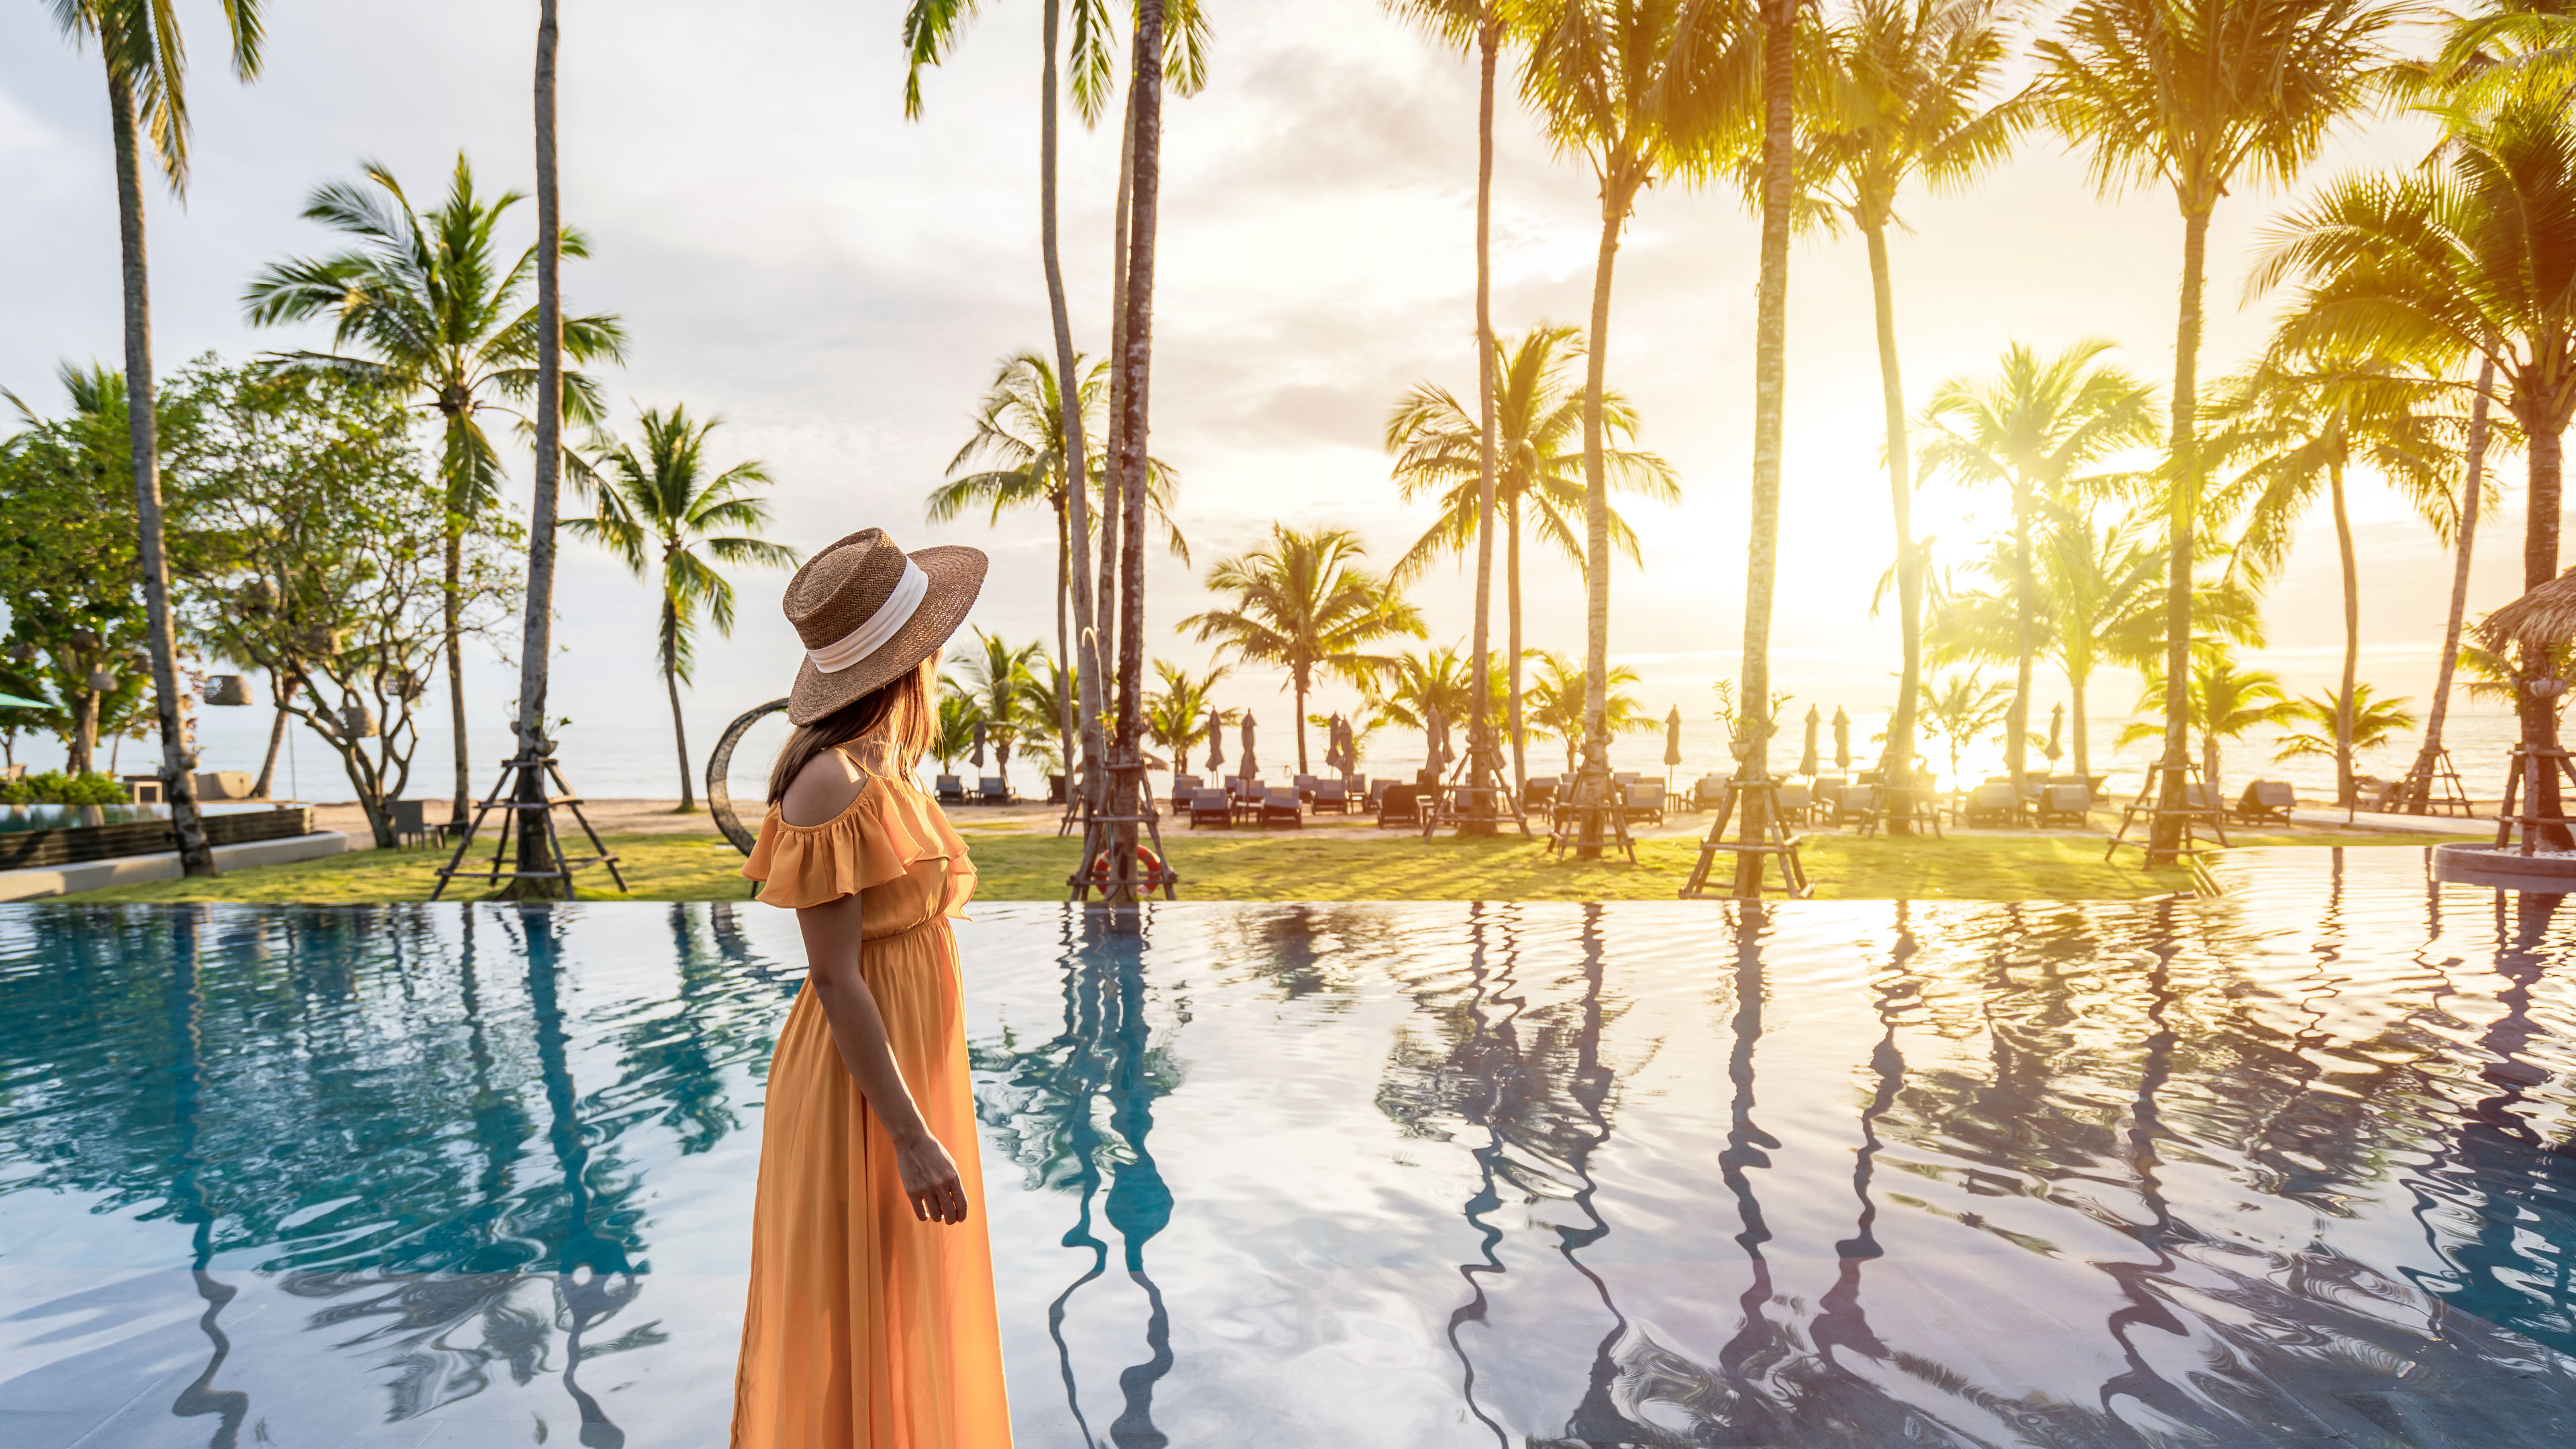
(1176,715)
(1537,417)
(427,305)
(2099,583)
(2350,719)
(661,499)
(2198,95)
(1000,684)
(1020,432)
(147,72)
(1303,602)
(1558,710)
(953,733)
(1905,97)
(1641,89)
(2299,423)
(1961,710)
(2221,702)
(2042,429)
(1442,679)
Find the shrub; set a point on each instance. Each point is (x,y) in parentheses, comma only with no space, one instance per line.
(53,787)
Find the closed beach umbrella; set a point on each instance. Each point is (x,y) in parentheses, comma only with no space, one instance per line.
(1435,733)
(1842,739)
(1673,738)
(1250,768)
(1216,743)
(2056,727)
(1808,764)
(979,744)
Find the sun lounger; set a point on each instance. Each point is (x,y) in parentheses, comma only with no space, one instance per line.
(1356,787)
(1795,801)
(993,790)
(1993,803)
(1540,792)
(1279,809)
(1400,805)
(1211,807)
(1643,800)
(2264,802)
(1055,789)
(1829,797)
(1855,803)
(1709,791)
(2063,804)
(1304,785)
(1331,798)
(1183,789)
(952,791)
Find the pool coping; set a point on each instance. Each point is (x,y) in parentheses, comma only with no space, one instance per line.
(42,882)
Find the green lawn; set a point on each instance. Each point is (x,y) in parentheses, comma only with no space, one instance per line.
(1315,866)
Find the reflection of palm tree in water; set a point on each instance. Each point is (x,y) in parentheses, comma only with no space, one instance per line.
(187,1007)
(1040,1101)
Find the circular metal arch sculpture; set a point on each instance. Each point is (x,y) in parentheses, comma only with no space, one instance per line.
(720,763)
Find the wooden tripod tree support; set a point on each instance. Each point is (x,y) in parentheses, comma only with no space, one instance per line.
(2522,783)
(1592,809)
(523,786)
(1476,801)
(1129,803)
(1912,804)
(2150,806)
(1753,844)
(2432,787)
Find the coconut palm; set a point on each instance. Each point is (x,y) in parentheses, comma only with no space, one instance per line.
(1642,90)
(1176,715)
(428,305)
(2340,723)
(1537,419)
(1906,96)
(662,508)
(952,733)
(1021,439)
(1303,602)
(999,682)
(2044,430)
(2294,425)
(2202,96)
(2222,702)
(1961,710)
(1442,679)
(1558,710)
(147,75)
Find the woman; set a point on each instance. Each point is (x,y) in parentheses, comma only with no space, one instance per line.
(870,1323)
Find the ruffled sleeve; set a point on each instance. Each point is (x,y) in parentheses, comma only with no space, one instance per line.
(876,841)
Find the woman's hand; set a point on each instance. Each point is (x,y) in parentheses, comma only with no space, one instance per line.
(930,1180)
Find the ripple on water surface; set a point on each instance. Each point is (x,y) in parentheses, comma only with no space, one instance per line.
(2290,1166)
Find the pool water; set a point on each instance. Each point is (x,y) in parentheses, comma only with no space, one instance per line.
(2292,1166)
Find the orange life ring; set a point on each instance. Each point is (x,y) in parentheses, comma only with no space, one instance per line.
(1151,864)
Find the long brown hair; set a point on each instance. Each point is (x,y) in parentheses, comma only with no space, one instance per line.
(900,706)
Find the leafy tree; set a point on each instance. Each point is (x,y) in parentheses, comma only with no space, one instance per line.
(952,734)
(335,583)
(2225,703)
(2043,430)
(661,506)
(1442,679)
(999,682)
(429,305)
(2203,96)
(1303,602)
(1557,708)
(1905,95)
(147,75)
(2341,723)
(1176,715)
(1961,710)
(1537,425)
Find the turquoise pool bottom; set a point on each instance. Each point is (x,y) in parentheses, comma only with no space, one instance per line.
(2289,1167)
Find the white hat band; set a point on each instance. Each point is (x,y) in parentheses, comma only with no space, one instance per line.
(871,636)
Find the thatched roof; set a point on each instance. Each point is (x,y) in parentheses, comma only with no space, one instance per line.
(2545,618)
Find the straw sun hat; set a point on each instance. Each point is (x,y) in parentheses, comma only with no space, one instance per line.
(868,612)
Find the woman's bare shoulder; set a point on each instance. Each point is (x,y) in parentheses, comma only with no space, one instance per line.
(823,791)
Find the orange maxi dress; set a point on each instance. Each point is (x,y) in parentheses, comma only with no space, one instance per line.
(867,1328)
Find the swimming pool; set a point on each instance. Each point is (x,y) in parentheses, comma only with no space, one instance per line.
(2291,1166)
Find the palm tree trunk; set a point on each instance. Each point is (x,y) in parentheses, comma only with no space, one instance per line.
(1113,511)
(1512,592)
(2539,566)
(82,750)
(278,690)
(1064,660)
(1770,409)
(2075,681)
(1073,553)
(671,682)
(1899,766)
(1135,364)
(452,626)
(2025,643)
(2345,793)
(537,641)
(178,785)
(2164,841)
(1480,728)
(1301,684)
(2473,483)
(1593,787)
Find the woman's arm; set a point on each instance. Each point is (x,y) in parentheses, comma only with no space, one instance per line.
(832,955)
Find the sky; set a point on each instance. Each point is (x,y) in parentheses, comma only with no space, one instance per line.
(840,284)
